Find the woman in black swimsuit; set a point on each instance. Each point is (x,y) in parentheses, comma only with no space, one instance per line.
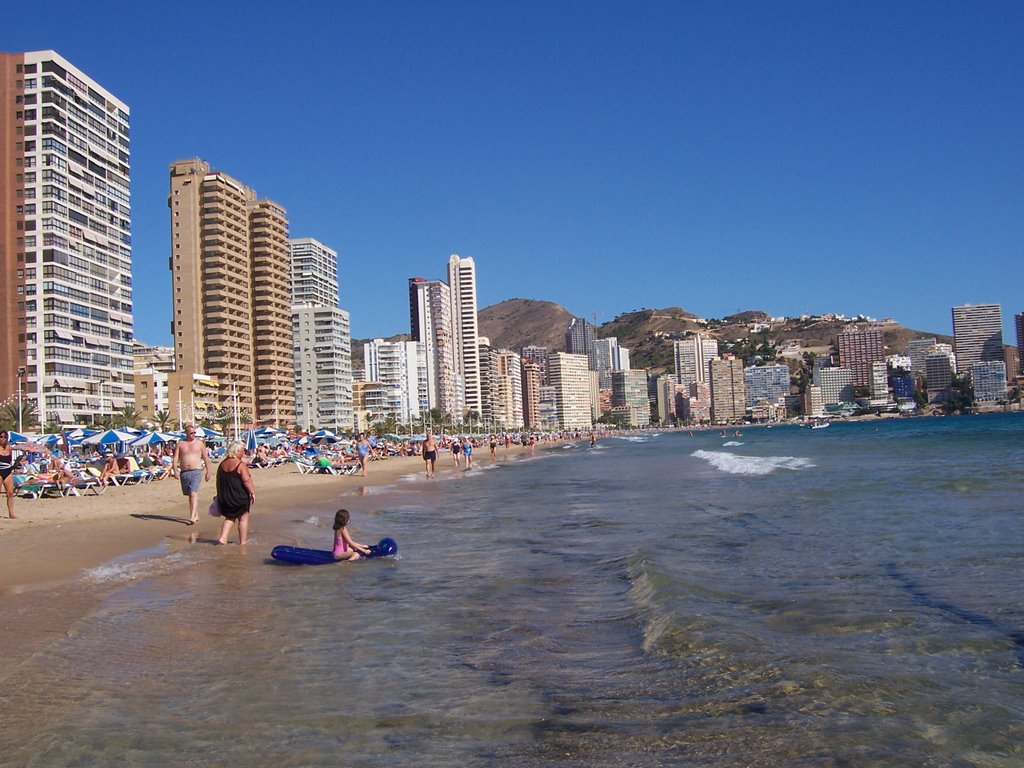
(7,462)
(235,493)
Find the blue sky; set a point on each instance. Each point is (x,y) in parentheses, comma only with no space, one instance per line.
(856,157)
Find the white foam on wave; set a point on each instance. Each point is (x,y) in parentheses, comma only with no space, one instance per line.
(731,444)
(313,520)
(751,465)
(129,570)
(632,438)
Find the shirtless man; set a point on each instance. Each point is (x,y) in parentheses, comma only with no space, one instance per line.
(430,453)
(191,460)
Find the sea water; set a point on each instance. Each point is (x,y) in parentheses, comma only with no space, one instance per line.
(785,597)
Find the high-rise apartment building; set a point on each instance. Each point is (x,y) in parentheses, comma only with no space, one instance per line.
(629,395)
(692,356)
(231,292)
(531,394)
(977,334)
(65,240)
(765,384)
(938,371)
(323,367)
(918,350)
(988,380)
(606,356)
(836,385)
(462,280)
(570,379)
(321,338)
(579,337)
(858,349)
(397,366)
(538,355)
(1018,321)
(314,269)
(727,390)
(431,324)
(501,388)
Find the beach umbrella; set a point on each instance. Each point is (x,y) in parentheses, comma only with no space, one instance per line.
(249,438)
(208,433)
(152,438)
(16,437)
(109,437)
(323,436)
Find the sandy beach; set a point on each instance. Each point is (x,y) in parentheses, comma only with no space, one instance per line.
(53,541)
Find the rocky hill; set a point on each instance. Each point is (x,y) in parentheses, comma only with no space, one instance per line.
(518,323)
(649,333)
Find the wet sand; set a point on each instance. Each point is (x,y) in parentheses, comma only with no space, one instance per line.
(53,539)
(53,542)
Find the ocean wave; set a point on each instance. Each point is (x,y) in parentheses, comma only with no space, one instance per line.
(129,570)
(751,465)
(730,444)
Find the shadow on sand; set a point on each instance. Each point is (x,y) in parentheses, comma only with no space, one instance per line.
(165,518)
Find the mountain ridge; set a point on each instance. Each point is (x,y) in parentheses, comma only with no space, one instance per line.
(649,333)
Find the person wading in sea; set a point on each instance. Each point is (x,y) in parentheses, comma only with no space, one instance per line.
(192,466)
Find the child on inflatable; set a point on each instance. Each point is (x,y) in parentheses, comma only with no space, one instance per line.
(344,547)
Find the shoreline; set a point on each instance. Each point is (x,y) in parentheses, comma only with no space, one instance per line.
(53,541)
(49,550)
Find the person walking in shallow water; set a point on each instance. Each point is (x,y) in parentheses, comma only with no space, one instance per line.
(430,454)
(235,493)
(191,466)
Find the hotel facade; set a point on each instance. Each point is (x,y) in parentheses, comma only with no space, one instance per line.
(65,241)
(231,293)
(322,339)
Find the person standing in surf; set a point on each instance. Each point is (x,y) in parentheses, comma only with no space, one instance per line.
(191,466)
(235,493)
(344,546)
(430,454)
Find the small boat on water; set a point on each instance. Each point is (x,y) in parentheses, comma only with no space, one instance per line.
(820,424)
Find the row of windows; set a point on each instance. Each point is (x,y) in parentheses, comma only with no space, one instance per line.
(84,326)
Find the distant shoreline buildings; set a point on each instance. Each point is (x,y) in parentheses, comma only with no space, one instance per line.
(259,336)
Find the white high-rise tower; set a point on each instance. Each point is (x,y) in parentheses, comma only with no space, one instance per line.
(65,241)
(322,339)
(462,280)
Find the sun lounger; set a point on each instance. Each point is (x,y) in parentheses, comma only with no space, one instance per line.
(83,485)
(37,488)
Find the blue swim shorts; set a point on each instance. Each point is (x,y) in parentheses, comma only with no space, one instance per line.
(191,479)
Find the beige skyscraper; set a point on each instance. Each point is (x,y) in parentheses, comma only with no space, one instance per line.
(231,293)
(570,377)
(727,390)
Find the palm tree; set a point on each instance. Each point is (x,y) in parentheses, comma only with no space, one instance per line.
(129,417)
(9,415)
(222,418)
(163,418)
(105,421)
